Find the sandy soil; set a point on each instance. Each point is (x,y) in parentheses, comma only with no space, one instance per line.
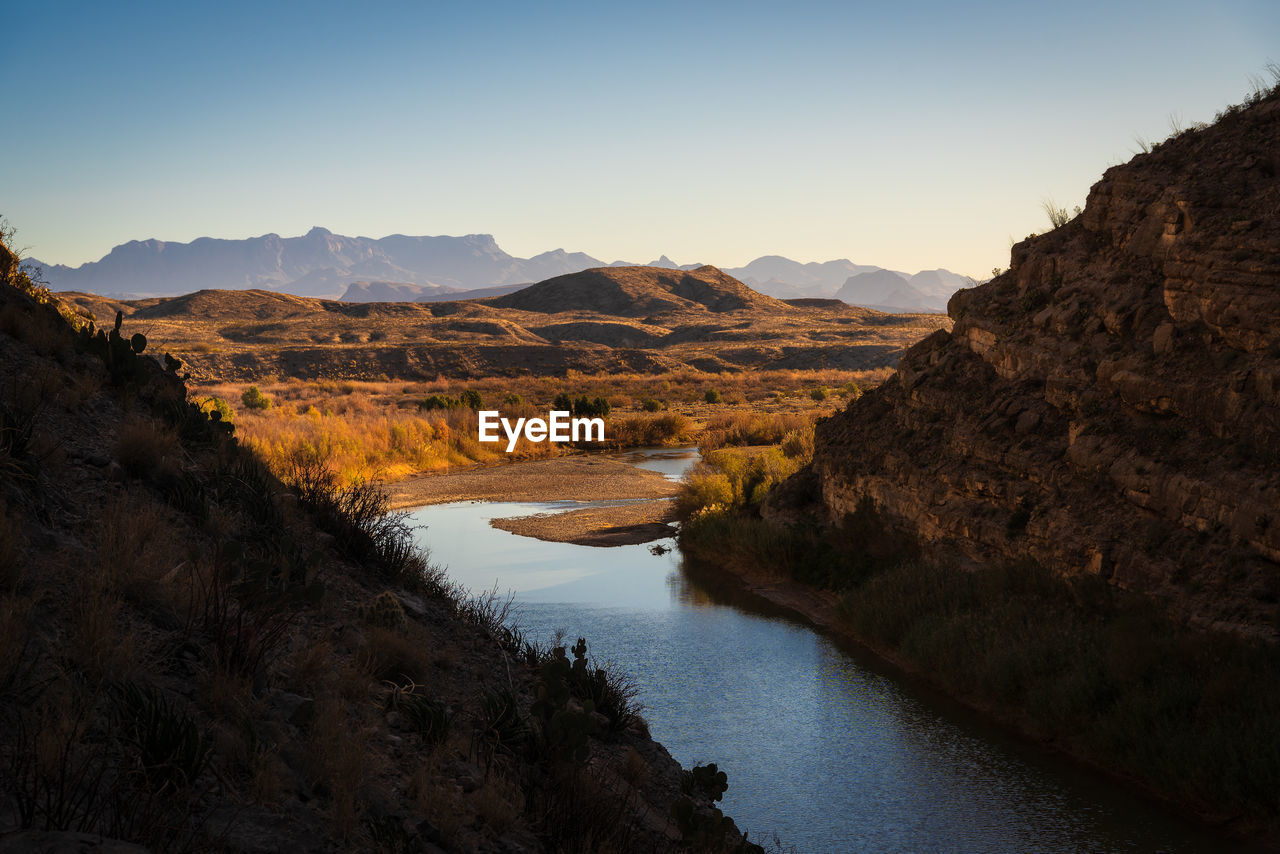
(592,478)
(585,478)
(621,525)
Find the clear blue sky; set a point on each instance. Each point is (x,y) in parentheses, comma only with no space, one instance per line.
(906,134)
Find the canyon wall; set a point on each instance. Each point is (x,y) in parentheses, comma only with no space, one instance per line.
(1108,405)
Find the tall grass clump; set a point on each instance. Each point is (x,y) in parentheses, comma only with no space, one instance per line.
(755,428)
(364,528)
(731,480)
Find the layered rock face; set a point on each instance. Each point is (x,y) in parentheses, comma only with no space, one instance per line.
(1110,404)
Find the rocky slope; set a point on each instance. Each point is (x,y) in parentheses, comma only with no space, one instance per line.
(199,658)
(1109,404)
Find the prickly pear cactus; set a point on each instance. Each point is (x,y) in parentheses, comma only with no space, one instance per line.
(384,610)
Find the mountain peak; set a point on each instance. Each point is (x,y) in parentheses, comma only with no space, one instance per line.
(640,291)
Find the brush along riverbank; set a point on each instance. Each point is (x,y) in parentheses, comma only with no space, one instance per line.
(1098,673)
(642,514)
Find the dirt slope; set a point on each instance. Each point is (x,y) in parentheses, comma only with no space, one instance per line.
(197,658)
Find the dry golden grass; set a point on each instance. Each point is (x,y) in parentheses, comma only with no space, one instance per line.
(308,667)
(224,693)
(499,803)
(441,801)
(391,656)
(12,548)
(144,447)
(100,643)
(126,533)
(341,763)
(634,769)
(43,332)
(354,679)
(15,637)
(376,430)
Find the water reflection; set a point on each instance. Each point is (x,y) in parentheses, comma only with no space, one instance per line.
(823,745)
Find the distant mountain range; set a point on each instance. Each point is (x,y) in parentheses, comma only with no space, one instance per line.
(429,269)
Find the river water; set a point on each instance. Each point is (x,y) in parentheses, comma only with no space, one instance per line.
(823,745)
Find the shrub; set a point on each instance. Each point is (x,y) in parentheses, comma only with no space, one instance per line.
(651,405)
(851,390)
(390,655)
(703,490)
(584,408)
(144,448)
(752,429)
(819,394)
(439,401)
(429,718)
(712,396)
(503,727)
(220,406)
(170,747)
(748,476)
(471,399)
(512,399)
(253,398)
(1058,216)
(364,528)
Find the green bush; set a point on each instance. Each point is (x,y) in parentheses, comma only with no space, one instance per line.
(220,406)
(438,401)
(584,408)
(651,405)
(471,399)
(712,396)
(253,398)
(819,394)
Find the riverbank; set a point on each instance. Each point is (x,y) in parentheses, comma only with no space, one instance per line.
(1073,666)
(644,517)
(576,478)
(612,525)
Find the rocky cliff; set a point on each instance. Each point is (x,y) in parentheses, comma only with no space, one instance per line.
(1109,404)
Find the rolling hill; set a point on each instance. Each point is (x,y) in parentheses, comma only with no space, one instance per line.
(635,319)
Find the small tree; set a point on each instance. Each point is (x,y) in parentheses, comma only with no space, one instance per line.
(220,406)
(253,398)
(438,401)
(471,399)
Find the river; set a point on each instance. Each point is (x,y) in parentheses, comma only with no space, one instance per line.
(824,745)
